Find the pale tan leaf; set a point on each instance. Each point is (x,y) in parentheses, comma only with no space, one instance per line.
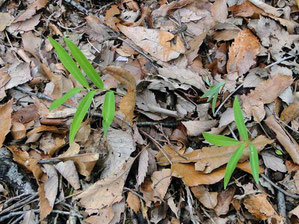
(142,166)
(167,8)
(73,150)
(195,128)
(243,52)
(267,8)
(51,185)
(68,171)
(155,42)
(161,180)
(29,217)
(289,144)
(24,26)
(44,205)
(5,120)
(133,202)
(18,130)
(208,199)
(224,199)
(219,11)
(290,113)
(5,20)
(105,215)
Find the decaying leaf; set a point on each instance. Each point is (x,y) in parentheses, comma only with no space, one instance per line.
(208,199)
(224,200)
(5,20)
(44,205)
(133,202)
(68,171)
(5,120)
(157,43)
(110,17)
(160,182)
(219,11)
(195,128)
(243,52)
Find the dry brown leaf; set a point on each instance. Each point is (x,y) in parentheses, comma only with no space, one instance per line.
(245,166)
(105,192)
(246,9)
(5,120)
(142,166)
(73,150)
(133,202)
(157,43)
(5,20)
(95,28)
(267,8)
(68,171)
(26,114)
(24,159)
(290,113)
(31,43)
(195,128)
(84,162)
(160,182)
(51,185)
(289,144)
(243,52)
(127,103)
(110,17)
(19,73)
(44,205)
(259,206)
(224,199)
(18,130)
(105,215)
(31,10)
(167,8)
(219,11)
(208,199)
(4,78)
(191,177)
(253,103)
(24,26)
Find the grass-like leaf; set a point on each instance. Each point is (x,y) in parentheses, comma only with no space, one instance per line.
(64,98)
(232,163)
(254,162)
(80,114)
(220,140)
(214,103)
(239,119)
(108,110)
(69,63)
(84,64)
(213,90)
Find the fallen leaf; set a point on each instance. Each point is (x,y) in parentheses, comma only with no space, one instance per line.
(224,200)
(127,103)
(246,9)
(68,171)
(44,205)
(289,144)
(105,215)
(105,192)
(259,206)
(267,8)
(26,114)
(208,199)
(110,17)
(160,183)
(289,113)
(51,185)
(29,217)
(5,120)
(133,202)
(4,78)
(19,73)
(31,10)
(5,20)
(142,166)
(167,8)
(253,103)
(219,11)
(273,162)
(157,43)
(243,52)
(24,26)
(18,130)
(195,128)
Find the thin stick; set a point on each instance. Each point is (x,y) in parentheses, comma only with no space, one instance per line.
(133,192)
(77,6)
(295,196)
(281,60)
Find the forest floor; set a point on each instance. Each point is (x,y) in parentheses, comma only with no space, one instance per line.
(154,165)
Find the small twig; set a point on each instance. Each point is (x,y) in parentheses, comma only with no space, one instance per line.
(77,6)
(184,28)
(190,206)
(133,192)
(285,124)
(226,99)
(232,131)
(163,124)
(18,219)
(279,61)
(12,47)
(295,196)
(12,199)
(207,214)
(281,204)
(71,29)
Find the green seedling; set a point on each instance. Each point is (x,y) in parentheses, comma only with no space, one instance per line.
(109,102)
(244,141)
(213,93)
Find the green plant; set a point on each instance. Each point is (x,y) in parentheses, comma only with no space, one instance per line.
(212,93)
(109,102)
(220,140)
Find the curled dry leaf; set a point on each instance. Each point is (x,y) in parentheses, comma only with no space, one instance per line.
(5,120)
(243,52)
(208,199)
(159,43)
(290,145)
(127,103)
(68,171)
(24,159)
(253,103)
(133,202)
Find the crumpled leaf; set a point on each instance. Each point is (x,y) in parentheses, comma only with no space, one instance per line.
(157,43)
(68,171)
(195,128)
(5,120)
(243,52)
(160,182)
(208,199)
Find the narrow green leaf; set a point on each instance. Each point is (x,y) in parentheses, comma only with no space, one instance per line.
(108,110)
(80,114)
(69,63)
(219,139)
(254,162)
(64,98)
(214,103)
(213,90)
(239,119)
(84,64)
(232,163)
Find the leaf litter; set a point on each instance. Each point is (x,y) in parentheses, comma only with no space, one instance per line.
(160,58)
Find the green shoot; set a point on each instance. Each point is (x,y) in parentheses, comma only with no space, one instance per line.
(220,140)
(70,65)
